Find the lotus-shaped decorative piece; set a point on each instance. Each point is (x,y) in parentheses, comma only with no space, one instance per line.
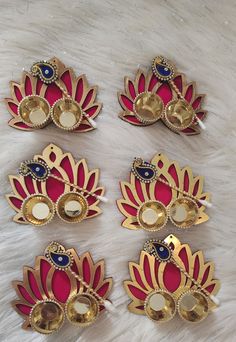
(55,182)
(170,278)
(52,92)
(61,285)
(162,190)
(162,94)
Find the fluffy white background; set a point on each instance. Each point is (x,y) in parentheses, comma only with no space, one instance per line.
(108,40)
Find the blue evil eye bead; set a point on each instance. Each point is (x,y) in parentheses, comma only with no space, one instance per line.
(158,249)
(144,171)
(46,71)
(163,69)
(58,256)
(36,169)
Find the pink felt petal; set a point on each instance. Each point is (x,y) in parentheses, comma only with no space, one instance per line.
(189,93)
(130,195)
(196,186)
(61,286)
(137,293)
(81,175)
(138,277)
(197,102)
(66,165)
(15,201)
(52,93)
(24,309)
(13,107)
(147,271)
(66,79)
(171,277)
(54,187)
(139,190)
(38,86)
(92,199)
(126,103)
(102,291)
(163,193)
(178,82)
(196,268)
(172,171)
(205,275)
(17,92)
(88,98)
(19,124)
(210,288)
(186,181)
(29,184)
(97,276)
(33,285)
(79,90)
(133,120)
(184,257)
(131,89)
(19,188)
(141,83)
(129,209)
(45,267)
(165,93)
(86,270)
(25,294)
(91,181)
(28,86)
(93,110)
(152,83)
(91,213)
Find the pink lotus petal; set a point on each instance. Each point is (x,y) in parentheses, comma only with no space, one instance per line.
(165,93)
(24,309)
(186,181)
(137,293)
(139,190)
(163,193)
(52,93)
(197,102)
(29,184)
(196,268)
(189,93)
(66,165)
(172,171)
(91,181)
(79,89)
(88,98)
(178,82)
(133,120)
(61,286)
(92,199)
(19,124)
(54,187)
(12,107)
(102,291)
(147,271)
(81,175)
(66,79)
(141,83)
(205,275)
(130,195)
(184,257)
(138,277)
(39,85)
(17,92)
(33,285)
(25,294)
(20,190)
(45,267)
(131,89)
(129,209)
(28,86)
(153,81)
(126,103)
(91,213)
(210,288)
(16,202)
(86,270)
(171,277)
(97,277)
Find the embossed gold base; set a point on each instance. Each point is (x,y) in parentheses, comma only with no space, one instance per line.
(82,309)
(34,111)
(72,207)
(46,317)
(38,209)
(179,115)
(152,216)
(148,107)
(183,212)
(193,306)
(160,306)
(67,114)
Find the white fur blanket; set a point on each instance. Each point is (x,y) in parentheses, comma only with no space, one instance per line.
(107,40)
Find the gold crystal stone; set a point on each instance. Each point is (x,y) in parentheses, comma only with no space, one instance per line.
(179,114)
(82,309)
(34,111)
(160,306)
(72,207)
(193,306)
(46,317)
(67,114)
(148,107)
(184,212)
(38,210)
(152,215)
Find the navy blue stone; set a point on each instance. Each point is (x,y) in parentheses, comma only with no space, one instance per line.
(163,252)
(38,169)
(161,70)
(145,172)
(47,70)
(60,259)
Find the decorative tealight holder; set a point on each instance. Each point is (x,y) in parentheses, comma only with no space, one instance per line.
(170,278)
(62,285)
(54,182)
(162,94)
(52,92)
(160,191)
